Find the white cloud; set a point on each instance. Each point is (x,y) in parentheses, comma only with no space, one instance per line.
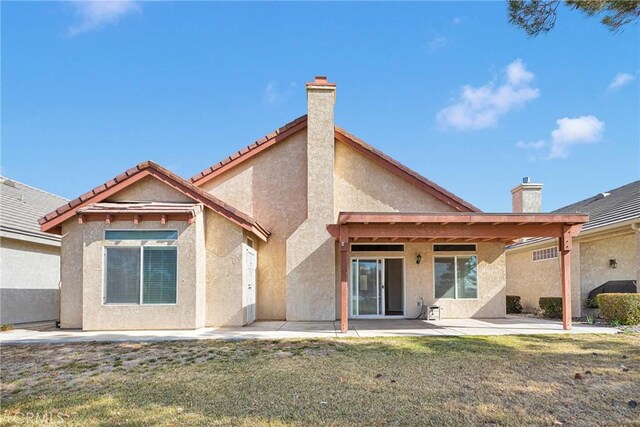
(536,145)
(581,130)
(569,132)
(437,43)
(94,14)
(456,21)
(480,108)
(621,79)
(273,95)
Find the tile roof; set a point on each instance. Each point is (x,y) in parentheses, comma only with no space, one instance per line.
(52,220)
(20,207)
(607,208)
(342,135)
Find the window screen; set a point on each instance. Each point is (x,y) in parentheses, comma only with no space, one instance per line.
(122,276)
(159,275)
(456,277)
(140,234)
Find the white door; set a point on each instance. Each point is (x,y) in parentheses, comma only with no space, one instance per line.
(250,262)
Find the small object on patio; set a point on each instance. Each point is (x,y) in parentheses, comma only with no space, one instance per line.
(624,368)
(378,376)
(632,403)
(594,353)
(624,356)
(578,376)
(393,381)
(587,372)
(432,312)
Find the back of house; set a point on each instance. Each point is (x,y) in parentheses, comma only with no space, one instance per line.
(254,237)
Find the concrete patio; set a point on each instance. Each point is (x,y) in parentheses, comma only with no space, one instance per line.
(296,330)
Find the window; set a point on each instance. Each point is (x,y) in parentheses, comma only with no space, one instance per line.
(141,274)
(456,277)
(544,254)
(454,248)
(377,248)
(141,235)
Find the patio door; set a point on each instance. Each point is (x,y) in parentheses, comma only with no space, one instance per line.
(367,287)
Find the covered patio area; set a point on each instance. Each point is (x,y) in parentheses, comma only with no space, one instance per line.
(451,229)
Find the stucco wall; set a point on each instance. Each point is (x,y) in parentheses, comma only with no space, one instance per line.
(224,272)
(71,275)
(29,277)
(589,268)
(150,189)
(419,281)
(595,256)
(99,316)
(271,187)
(362,185)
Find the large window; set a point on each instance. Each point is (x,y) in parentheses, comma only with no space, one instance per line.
(140,274)
(456,277)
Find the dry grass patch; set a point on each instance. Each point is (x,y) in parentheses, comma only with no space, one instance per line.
(508,380)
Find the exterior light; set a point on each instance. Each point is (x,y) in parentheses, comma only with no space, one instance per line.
(613,263)
(418,259)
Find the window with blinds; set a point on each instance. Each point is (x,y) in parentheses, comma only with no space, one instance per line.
(141,275)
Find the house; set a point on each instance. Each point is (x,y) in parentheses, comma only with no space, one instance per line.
(607,249)
(29,258)
(308,223)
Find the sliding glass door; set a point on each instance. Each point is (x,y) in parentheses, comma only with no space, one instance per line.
(367,287)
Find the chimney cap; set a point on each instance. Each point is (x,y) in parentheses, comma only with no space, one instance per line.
(321,81)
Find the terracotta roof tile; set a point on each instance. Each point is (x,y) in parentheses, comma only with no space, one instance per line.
(99,193)
(385,160)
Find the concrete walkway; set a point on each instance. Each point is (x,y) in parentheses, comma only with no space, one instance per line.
(299,330)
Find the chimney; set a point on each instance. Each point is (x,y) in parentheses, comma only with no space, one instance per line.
(321,98)
(527,197)
(311,258)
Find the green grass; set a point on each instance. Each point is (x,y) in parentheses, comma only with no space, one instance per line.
(490,381)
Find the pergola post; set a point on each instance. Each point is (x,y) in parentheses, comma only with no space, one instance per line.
(344,279)
(565,261)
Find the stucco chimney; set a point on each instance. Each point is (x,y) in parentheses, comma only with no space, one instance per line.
(311,259)
(321,99)
(527,197)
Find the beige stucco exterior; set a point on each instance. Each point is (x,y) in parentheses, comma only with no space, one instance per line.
(209,283)
(590,268)
(294,188)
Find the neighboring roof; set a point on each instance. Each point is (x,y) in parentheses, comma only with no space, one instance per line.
(341,135)
(53,220)
(611,207)
(20,207)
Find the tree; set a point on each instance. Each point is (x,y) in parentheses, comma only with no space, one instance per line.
(539,16)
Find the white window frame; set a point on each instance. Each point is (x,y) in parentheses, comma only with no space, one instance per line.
(141,244)
(455,256)
(552,250)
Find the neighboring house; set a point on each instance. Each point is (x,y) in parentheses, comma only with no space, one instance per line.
(608,248)
(308,223)
(29,258)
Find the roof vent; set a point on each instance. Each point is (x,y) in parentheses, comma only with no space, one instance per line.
(602,195)
(526,180)
(9,183)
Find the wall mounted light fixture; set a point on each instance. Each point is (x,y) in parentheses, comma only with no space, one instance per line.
(418,259)
(613,263)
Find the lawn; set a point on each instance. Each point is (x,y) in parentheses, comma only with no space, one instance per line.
(489,381)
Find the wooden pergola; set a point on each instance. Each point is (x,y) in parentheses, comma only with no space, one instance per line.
(455,228)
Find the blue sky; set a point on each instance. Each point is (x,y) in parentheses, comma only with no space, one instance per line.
(449,89)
